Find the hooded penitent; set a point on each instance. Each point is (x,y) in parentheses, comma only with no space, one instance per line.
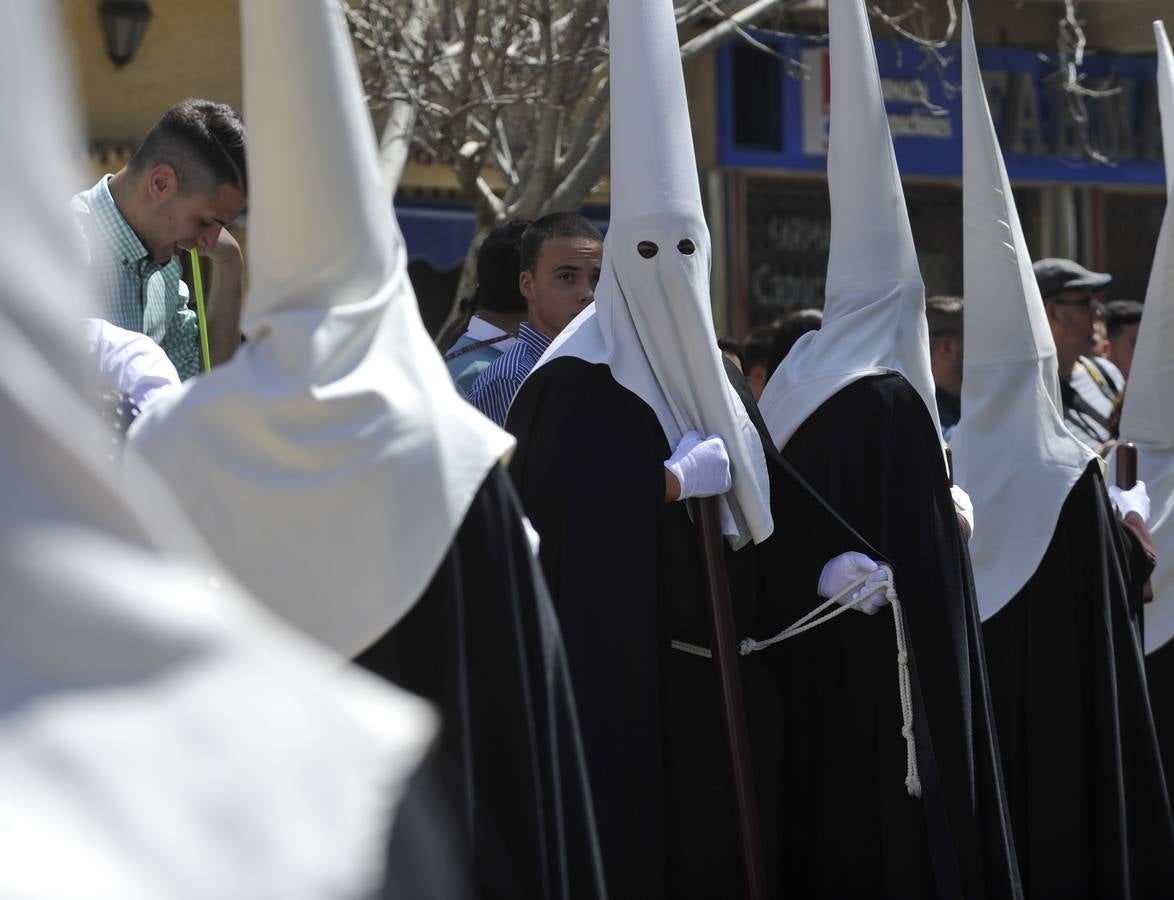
(127,678)
(651,322)
(1012,452)
(874,308)
(1148,415)
(331,461)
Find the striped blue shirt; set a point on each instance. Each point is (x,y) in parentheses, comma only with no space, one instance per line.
(494,389)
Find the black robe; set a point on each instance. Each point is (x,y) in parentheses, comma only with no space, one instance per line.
(626,576)
(851,831)
(482,643)
(1159,667)
(1080,755)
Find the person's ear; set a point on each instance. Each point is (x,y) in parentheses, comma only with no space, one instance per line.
(526,284)
(757,375)
(162,182)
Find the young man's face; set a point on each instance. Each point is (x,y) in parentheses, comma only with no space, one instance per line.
(563,282)
(180,221)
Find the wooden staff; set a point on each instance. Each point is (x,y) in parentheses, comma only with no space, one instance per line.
(1126,479)
(1126,465)
(707,516)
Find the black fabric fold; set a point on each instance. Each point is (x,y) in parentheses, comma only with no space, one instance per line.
(851,830)
(626,574)
(1088,798)
(483,644)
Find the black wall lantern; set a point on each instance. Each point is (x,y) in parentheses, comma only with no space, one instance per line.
(124,22)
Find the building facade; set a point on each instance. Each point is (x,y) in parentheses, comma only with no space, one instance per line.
(760,131)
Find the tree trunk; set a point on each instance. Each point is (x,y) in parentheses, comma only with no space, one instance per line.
(395,142)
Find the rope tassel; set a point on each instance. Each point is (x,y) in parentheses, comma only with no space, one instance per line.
(843,601)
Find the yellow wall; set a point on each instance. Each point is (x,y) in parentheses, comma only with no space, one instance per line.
(191,48)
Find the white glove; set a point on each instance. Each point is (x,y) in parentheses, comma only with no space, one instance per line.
(1136,499)
(846,568)
(964,508)
(701,465)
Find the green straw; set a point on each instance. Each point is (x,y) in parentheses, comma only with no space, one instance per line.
(198,283)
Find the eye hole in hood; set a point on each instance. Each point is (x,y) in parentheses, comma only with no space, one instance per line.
(647,249)
(686,247)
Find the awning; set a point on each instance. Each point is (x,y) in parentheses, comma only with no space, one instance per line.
(441,232)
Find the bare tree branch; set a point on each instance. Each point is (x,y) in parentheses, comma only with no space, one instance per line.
(512,95)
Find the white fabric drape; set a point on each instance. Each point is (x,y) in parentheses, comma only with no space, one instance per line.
(1013,454)
(160,734)
(1147,418)
(874,310)
(331,462)
(652,322)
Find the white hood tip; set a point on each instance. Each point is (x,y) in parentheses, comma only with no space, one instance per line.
(1147,418)
(339,408)
(1012,452)
(652,321)
(654,167)
(1148,414)
(874,311)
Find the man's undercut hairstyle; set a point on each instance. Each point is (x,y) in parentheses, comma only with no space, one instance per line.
(944,316)
(203,141)
(555,225)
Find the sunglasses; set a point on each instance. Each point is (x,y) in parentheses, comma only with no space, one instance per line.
(1088,302)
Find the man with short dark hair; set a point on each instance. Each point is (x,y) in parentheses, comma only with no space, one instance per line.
(1088,385)
(183,186)
(498,307)
(789,327)
(944,315)
(561,257)
(1122,317)
(756,356)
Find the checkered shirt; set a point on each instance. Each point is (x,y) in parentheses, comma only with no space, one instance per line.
(134,291)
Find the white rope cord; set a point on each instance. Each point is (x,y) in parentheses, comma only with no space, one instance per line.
(813,619)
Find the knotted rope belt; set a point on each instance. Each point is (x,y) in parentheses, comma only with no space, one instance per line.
(818,617)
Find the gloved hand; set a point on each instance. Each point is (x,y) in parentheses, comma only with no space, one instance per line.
(964,508)
(846,568)
(700,465)
(1136,499)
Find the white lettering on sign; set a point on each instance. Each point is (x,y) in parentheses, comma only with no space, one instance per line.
(904,90)
(920,124)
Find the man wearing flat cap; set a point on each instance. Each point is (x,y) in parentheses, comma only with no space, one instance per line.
(1089,385)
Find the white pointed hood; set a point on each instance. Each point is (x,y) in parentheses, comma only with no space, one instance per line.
(1148,415)
(331,462)
(652,321)
(1012,452)
(178,740)
(874,308)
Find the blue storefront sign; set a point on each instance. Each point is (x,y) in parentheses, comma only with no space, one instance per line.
(771,119)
